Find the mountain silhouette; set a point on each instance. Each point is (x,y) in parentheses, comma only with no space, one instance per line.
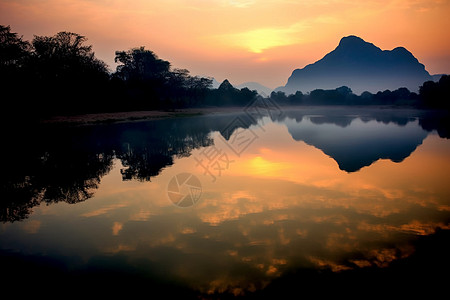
(226,86)
(362,66)
(261,89)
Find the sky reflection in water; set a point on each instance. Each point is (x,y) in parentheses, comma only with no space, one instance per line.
(343,192)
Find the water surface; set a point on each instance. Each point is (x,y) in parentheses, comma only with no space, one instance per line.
(226,203)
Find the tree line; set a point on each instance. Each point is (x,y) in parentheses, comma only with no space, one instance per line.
(54,75)
(60,75)
(434,95)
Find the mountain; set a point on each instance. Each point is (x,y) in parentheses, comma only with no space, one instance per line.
(362,66)
(226,86)
(254,86)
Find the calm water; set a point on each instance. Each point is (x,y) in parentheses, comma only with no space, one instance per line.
(228,203)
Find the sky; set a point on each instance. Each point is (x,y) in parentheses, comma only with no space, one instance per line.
(240,40)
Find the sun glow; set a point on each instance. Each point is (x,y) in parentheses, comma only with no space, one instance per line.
(258,40)
(259,165)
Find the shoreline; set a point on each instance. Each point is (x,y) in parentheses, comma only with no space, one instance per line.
(130,116)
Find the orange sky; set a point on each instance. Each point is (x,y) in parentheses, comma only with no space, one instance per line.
(242,40)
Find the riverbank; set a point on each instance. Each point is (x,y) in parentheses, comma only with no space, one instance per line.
(114,117)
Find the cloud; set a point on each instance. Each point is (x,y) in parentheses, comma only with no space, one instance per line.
(103,210)
(241,3)
(32,226)
(117,227)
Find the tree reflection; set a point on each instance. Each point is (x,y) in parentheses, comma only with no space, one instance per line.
(437,120)
(47,167)
(54,163)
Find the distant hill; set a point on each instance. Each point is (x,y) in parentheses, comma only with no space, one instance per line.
(215,83)
(253,86)
(362,66)
(261,89)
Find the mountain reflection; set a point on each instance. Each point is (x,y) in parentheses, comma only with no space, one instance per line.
(360,143)
(357,140)
(317,198)
(52,164)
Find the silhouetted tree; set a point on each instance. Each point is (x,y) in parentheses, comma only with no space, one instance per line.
(401,96)
(436,94)
(344,91)
(344,96)
(64,57)
(67,74)
(340,96)
(246,95)
(296,98)
(279,97)
(13,51)
(140,64)
(186,90)
(150,83)
(14,55)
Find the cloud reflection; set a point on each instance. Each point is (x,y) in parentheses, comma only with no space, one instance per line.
(283,204)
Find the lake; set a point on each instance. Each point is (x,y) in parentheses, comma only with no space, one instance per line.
(260,202)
